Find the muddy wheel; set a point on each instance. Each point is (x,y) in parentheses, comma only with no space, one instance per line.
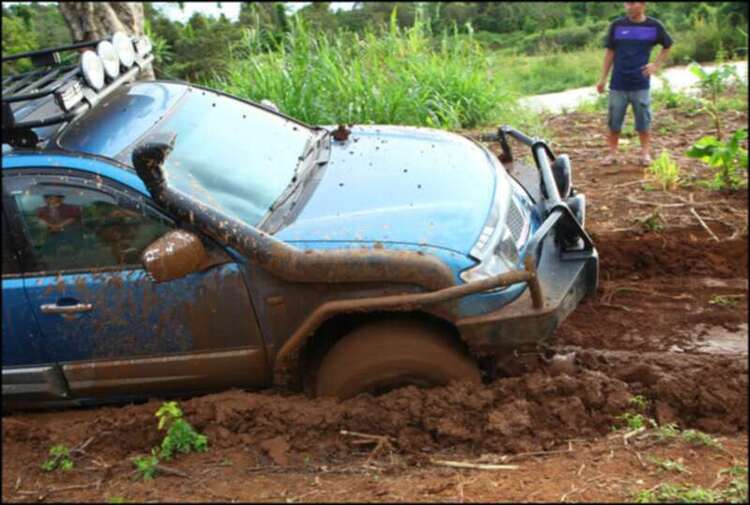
(383,355)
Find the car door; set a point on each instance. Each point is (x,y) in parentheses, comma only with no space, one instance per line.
(21,342)
(109,326)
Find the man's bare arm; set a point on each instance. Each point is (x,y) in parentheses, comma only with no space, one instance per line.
(609,57)
(654,67)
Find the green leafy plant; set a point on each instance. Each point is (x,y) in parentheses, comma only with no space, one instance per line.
(726,158)
(697,437)
(665,171)
(711,85)
(59,458)
(639,401)
(737,490)
(666,432)
(668,465)
(670,493)
(147,465)
(181,436)
(632,421)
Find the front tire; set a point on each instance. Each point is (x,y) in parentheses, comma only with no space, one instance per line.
(390,353)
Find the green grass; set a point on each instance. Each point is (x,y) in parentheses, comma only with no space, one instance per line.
(665,171)
(548,73)
(671,493)
(383,76)
(668,465)
(734,492)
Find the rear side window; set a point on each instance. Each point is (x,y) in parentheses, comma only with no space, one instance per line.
(74,228)
(11,265)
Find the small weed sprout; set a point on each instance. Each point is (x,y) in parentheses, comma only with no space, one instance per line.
(59,458)
(640,402)
(665,171)
(147,465)
(666,432)
(725,301)
(670,493)
(654,222)
(697,437)
(181,436)
(668,465)
(633,421)
(116,499)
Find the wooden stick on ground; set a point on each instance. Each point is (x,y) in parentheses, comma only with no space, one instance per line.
(704,225)
(476,466)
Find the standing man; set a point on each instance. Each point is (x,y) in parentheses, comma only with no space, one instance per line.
(629,43)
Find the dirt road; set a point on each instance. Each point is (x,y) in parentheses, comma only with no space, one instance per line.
(679,78)
(669,323)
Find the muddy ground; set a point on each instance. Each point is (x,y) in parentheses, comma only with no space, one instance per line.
(669,322)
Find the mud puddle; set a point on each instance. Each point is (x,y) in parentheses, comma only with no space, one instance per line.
(715,340)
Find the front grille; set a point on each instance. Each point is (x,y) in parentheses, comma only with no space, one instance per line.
(515,221)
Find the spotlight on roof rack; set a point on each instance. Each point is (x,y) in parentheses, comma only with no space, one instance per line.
(111,61)
(142,45)
(124,47)
(92,69)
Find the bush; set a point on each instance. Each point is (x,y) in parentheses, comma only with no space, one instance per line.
(388,75)
(573,37)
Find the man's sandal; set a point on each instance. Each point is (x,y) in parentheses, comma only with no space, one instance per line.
(646,160)
(609,160)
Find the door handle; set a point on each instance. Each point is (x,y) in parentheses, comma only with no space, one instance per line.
(53,308)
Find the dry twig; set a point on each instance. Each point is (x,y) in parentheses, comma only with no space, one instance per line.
(476,466)
(703,224)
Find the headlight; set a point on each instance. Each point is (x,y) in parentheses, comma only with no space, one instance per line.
(502,258)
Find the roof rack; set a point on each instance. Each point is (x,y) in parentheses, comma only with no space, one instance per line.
(70,88)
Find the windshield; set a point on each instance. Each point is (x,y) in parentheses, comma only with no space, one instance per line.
(229,154)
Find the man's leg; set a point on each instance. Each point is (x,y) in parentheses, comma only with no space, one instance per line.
(642,112)
(618,103)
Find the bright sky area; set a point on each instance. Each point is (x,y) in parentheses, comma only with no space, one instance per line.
(230,9)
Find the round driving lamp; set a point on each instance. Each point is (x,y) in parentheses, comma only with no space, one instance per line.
(124,47)
(111,61)
(92,69)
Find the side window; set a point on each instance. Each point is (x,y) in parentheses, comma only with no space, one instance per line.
(10,259)
(76,228)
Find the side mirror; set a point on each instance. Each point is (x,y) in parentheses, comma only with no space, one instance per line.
(175,254)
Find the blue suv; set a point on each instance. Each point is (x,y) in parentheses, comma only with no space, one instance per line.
(162,238)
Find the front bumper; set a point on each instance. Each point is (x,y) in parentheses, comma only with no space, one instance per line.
(567,266)
(565,279)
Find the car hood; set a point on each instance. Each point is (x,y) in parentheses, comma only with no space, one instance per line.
(400,184)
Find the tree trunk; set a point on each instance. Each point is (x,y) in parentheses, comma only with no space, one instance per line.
(97,20)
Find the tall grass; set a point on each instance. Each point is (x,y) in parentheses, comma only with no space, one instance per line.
(385,75)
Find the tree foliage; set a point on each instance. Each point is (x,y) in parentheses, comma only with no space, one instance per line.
(204,46)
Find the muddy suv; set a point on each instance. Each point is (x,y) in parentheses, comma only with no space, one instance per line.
(163,238)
